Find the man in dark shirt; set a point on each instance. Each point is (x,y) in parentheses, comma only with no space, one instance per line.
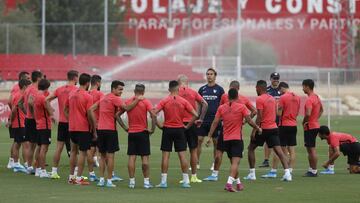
(211,92)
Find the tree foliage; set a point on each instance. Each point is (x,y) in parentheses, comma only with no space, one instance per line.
(89,37)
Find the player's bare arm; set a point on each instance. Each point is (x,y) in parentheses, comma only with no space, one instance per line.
(306,117)
(21,105)
(91,114)
(191,122)
(334,156)
(213,127)
(120,121)
(31,105)
(253,124)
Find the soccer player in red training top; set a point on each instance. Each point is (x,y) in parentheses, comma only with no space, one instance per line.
(313,111)
(232,114)
(341,142)
(16,125)
(77,109)
(174,108)
(63,138)
(30,123)
(220,142)
(195,99)
(43,116)
(97,95)
(139,135)
(15,89)
(266,116)
(107,141)
(288,110)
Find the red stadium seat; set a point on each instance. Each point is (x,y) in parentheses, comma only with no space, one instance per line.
(55,67)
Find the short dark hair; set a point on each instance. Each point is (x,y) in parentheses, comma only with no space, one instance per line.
(139,88)
(95,79)
(72,74)
(235,84)
(308,83)
(44,84)
(84,78)
(261,83)
(283,85)
(116,83)
(35,75)
(213,70)
(24,83)
(324,130)
(232,94)
(22,75)
(173,84)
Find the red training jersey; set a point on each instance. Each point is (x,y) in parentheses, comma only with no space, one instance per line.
(42,117)
(15,89)
(192,97)
(241,100)
(232,114)
(138,115)
(79,102)
(109,105)
(313,103)
(19,119)
(290,104)
(174,108)
(267,104)
(335,139)
(62,94)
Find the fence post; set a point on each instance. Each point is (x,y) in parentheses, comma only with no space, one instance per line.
(213,61)
(7,39)
(73,40)
(328,103)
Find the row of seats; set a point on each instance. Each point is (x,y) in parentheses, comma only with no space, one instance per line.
(55,67)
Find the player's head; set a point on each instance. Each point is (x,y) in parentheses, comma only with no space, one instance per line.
(233,94)
(84,80)
(73,76)
(173,86)
(24,83)
(274,78)
(139,89)
(36,76)
(261,87)
(324,132)
(211,75)
(308,86)
(24,75)
(283,87)
(117,87)
(96,81)
(43,84)
(183,80)
(234,85)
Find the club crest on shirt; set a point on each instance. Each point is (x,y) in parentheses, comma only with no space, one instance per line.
(215,91)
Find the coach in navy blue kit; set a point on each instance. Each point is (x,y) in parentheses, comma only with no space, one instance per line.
(211,92)
(273,90)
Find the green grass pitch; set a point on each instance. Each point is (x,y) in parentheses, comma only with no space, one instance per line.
(341,187)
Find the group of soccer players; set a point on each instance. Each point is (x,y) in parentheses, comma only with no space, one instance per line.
(88,120)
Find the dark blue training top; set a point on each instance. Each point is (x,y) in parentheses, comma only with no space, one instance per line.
(212,95)
(275,92)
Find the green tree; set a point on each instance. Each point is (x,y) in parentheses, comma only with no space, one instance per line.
(21,38)
(89,37)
